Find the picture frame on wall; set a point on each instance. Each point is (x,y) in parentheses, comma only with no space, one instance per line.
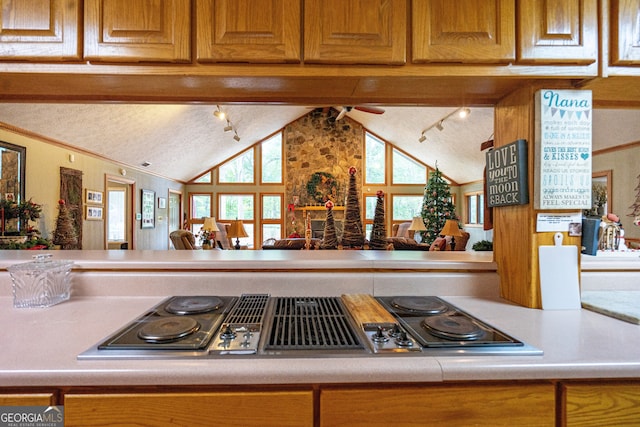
(93,213)
(162,203)
(93,197)
(148,208)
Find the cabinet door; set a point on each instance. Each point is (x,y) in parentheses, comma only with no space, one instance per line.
(556,32)
(625,32)
(27,399)
(40,30)
(355,31)
(249,30)
(266,408)
(454,405)
(466,31)
(136,31)
(602,404)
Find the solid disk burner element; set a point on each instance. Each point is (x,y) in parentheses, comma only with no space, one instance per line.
(453,328)
(168,329)
(193,305)
(421,305)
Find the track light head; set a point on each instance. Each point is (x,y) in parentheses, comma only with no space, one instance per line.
(440,126)
(228,127)
(464,112)
(422,138)
(236,137)
(219,113)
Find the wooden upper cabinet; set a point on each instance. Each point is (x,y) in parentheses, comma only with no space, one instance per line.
(137,31)
(557,32)
(625,32)
(43,30)
(266,31)
(464,31)
(355,31)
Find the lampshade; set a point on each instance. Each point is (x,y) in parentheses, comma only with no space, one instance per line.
(210,224)
(451,228)
(236,229)
(417,224)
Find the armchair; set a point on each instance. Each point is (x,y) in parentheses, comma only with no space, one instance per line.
(183,240)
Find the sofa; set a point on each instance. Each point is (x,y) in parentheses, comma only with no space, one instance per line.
(403,240)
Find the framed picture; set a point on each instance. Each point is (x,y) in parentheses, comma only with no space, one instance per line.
(93,197)
(148,207)
(162,203)
(93,213)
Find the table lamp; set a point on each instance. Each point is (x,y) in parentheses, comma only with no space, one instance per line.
(451,229)
(236,230)
(210,227)
(417,224)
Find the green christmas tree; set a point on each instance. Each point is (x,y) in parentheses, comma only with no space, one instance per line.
(437,206)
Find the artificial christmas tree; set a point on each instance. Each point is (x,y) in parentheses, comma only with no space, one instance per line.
(379,231)
(635,207)
(353,235)
(329,237)
(437,206)
(65,233)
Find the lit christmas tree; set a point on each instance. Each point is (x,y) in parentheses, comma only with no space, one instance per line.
(379,230)
(353,236)
(437,206)
(635,207)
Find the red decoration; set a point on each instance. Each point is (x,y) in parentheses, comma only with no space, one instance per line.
(352,170)
(291,207)
(329,205)
(61,202)
(380,194)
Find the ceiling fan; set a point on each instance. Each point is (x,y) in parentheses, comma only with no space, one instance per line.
(343,110)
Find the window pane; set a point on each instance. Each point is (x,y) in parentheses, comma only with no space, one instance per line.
(203,179)
(406,207)
(271,207)
(234,206)
(472,203)
(117,211)
(481,208)
(370,206)
(271,231)
(200,205)
(272,159)
(239,169)
(374,160)
(407,171)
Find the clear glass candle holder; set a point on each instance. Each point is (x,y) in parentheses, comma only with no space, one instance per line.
(41,283)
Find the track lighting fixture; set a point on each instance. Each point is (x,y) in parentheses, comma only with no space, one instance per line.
(236,137)
(229,127)
(219,113)
(439,124)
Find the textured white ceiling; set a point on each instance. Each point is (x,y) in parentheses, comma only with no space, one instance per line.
(182,141)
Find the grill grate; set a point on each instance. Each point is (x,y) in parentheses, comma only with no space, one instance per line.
(311,323)
(249,310)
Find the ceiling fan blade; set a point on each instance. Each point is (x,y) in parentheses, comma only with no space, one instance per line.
(342,112)
(369,109)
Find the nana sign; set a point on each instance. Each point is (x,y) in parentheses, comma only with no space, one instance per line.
(507,175)
(563,149)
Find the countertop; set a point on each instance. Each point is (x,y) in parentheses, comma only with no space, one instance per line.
(40,347)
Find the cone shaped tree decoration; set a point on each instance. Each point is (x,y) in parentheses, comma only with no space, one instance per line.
(329,238)
(379,231)
(353,235)
(64,234)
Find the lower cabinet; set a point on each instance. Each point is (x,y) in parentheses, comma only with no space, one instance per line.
(601,403)
(245,408)
(525,404)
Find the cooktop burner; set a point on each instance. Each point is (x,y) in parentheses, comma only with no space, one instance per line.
(419,305)
(168,329)
(453,327)
(193,305)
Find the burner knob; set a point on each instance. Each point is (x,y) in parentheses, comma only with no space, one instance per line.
(402,340)
(379,336)
(395,331)
(227,333)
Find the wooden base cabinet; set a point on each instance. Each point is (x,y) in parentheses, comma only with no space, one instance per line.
(27,399)
(517,404)
(601,403)
(260,408)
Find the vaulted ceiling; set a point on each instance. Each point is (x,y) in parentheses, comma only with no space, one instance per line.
(180,141)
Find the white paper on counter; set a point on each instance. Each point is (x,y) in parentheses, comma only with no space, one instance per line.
(557,221)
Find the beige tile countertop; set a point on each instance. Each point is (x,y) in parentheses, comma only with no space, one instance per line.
(40,347)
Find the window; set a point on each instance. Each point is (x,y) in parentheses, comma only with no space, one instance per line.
(239,206)
(404,208)
(475,208)
(203,179)
(200,208)
(407,170)
(117,211)
(370,202)
(272,159)
(374,160)
(238,170)
(271,216)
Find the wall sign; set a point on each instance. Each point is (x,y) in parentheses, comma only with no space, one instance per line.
(507,175)
(563,149)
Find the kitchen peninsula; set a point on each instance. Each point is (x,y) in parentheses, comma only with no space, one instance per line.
(584,352)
